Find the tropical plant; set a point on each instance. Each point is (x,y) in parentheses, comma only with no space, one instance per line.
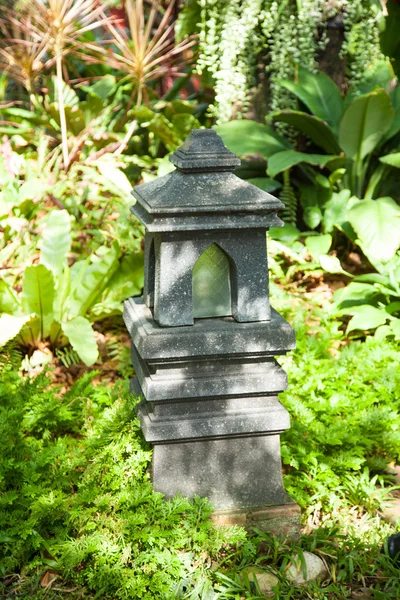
(239,41)
(23,53)
(373,301)
(353,127)
(51,30)
(58,303)
(353,131)
(145,52)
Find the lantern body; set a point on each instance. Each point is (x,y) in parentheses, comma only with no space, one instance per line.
(204,335)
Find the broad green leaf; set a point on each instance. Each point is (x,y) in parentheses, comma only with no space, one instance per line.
(331,264)
(366,317)
(142,113)
(246,138)
(393,307)
(335,214)
(395,127)
(377,224)
(315,128)
(364,123)
(81,337)
(128,278)
(318,244)
(288,158)
(38,296)
(8,300)
(70,97)
(377,75)
(312,216)
(91,280)
(314,194)
(164,130)
(354,294)
(265,183)
(165,166)
(395,326)
(31,189)
(108,169)
(62,292)
(391,159)
(10,326)
(320,94)
(184,123)
(103,88)
(56,242)
(183,106)
(287,234)
(127,281)
(383,332)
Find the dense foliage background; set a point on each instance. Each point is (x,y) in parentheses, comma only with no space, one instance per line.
(93,98)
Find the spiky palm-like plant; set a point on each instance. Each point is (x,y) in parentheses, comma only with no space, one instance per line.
(146,50)
(63,24)
(23,51)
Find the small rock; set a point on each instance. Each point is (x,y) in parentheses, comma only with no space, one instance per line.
(315,569)
(266,580)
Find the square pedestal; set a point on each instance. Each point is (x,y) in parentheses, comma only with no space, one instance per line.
(240,472)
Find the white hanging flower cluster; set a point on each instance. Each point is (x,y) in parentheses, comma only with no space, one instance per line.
(233,33)
(361,38)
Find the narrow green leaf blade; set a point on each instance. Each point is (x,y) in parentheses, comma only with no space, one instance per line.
(391,159)
(81,337)
(56,242)
(38,296)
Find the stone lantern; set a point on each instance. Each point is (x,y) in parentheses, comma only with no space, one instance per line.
(204,334)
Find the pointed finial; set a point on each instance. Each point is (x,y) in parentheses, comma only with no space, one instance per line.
(203,150)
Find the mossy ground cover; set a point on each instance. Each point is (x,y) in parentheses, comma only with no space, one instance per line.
(79,519)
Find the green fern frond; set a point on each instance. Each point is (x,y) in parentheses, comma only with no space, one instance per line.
(288,197)
(10,356)
(68,357)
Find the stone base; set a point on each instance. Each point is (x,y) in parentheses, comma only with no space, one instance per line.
(282,521)
(240,472)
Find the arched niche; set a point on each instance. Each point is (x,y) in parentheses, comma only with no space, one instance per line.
(211,284)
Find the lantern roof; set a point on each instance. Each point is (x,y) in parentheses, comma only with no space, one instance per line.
(203,193)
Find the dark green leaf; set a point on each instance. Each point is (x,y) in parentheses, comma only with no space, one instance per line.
(366,317)
(320,94)
(289,158)
(38,296)
(245,138)
(265,183)
(377,224)
(364,123)
(316,129)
